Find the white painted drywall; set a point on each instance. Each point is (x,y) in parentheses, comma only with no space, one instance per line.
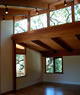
(33,62)
(71,69)
(0,57)
(6,55)
(33,70)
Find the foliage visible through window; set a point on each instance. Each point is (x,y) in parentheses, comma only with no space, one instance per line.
(58,64)
(49,65)
(21,26)
(60,16)
(77,12)
(20,65)
(38,22)
(54,65)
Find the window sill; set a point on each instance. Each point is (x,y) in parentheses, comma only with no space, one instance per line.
(21,76)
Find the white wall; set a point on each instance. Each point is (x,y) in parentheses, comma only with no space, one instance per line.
(33,70)
(6,56)
(33,62)
(71,69)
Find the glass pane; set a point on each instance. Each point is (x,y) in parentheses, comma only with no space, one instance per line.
(49,65)
(20,70)
(60,16)
(21,26)
(77,12)
(38,22)
(58,65)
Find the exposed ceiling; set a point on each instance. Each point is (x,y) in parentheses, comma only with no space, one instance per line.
(21,7)
(56,40)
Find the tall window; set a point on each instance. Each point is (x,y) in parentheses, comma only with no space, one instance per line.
(38,22)
(60,16)
(77,12)
(54,65)
(20,61)
(21,26)
(49,65)
(20,65)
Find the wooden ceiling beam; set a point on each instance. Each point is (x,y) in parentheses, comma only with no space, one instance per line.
(62,43)
(43,45)
(60,53)
(13,12)
(69,29)
(78,37)
(24,3)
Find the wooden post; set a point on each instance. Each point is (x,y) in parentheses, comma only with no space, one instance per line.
(13,25)
(28,19)
(48,18)
(73,16)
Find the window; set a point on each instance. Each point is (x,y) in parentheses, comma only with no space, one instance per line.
(20,65)
(20,60)
(21,26)
(77,12)
(54,65)
(49,65)
(38,22)
(60,16)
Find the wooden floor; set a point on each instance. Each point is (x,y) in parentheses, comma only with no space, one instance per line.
(49,89)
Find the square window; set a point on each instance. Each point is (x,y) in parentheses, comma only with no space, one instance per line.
(54,65)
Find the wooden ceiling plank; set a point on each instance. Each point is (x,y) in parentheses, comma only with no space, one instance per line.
(43,45)
(62,43)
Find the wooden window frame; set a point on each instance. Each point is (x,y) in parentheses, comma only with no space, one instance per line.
(54,66)
(22,52)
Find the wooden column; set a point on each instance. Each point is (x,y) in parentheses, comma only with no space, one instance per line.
(13,25)
(73,16)
(28,19)
(48,18)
